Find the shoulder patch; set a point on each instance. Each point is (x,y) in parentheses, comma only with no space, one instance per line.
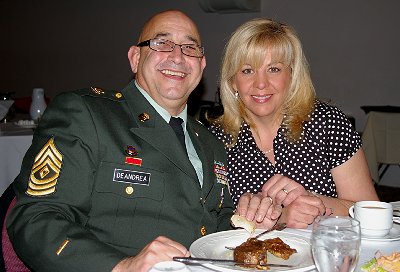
(45,171)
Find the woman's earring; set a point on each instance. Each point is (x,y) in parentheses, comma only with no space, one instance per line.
(236,95)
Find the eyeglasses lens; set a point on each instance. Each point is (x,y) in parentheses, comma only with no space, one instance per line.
(191,50)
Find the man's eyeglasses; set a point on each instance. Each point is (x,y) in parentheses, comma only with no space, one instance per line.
(160,45)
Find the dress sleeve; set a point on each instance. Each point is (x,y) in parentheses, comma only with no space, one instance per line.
(343,140)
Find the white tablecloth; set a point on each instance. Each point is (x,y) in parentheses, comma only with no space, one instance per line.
(13,147)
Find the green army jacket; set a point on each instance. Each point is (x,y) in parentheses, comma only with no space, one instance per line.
(85,203)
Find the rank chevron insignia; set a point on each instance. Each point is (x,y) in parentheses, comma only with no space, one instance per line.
(45,171)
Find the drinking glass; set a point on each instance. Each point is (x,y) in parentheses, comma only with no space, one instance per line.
(335,243)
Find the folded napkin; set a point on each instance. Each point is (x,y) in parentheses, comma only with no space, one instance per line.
(5,105)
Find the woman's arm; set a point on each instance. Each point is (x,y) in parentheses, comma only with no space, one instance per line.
(353,183)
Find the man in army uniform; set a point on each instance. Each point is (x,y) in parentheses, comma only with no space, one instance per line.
(107,185)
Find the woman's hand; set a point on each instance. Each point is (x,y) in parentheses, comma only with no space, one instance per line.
(258,208)
(160,249)
(283,190)
(303,211)
(300,206)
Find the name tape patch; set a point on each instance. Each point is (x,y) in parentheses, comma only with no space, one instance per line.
(134,177)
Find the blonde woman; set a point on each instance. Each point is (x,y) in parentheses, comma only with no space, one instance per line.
(281,140)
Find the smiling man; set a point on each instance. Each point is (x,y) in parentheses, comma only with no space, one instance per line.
(168,77)
(110,182)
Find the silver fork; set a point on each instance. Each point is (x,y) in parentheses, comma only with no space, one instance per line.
(278,226)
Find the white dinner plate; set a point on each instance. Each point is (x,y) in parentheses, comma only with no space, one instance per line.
(393,235)
(213,246)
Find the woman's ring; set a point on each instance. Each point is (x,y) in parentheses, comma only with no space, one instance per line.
(270,199)
(285,191)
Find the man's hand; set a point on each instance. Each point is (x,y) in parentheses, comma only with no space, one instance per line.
(160,249)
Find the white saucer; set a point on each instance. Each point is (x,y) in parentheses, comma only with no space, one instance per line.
(393,235)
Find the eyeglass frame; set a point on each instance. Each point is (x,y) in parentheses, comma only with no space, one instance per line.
(172,45)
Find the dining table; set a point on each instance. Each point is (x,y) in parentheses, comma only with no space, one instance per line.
(14,142)
(381,141)
(367,251)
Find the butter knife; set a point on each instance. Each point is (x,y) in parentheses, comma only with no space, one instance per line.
(194,261)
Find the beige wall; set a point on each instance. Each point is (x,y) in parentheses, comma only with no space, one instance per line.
(353,46)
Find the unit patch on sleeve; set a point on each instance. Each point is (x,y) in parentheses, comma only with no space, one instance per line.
(45,171)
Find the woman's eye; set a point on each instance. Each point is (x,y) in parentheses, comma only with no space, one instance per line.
(274,69)
(247,71)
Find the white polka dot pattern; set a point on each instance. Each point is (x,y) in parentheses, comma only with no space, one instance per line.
(328,140)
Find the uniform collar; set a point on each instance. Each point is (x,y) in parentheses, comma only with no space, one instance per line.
(163,112)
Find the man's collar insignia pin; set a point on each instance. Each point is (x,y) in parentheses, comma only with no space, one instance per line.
(143,117)
(45,171)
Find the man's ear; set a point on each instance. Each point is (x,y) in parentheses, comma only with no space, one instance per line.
(134,56)
(203,63)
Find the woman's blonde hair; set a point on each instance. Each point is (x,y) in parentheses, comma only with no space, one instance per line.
(248,45)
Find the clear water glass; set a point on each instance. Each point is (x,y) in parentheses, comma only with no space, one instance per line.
(335,243)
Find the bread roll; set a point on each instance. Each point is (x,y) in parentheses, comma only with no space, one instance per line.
(242,222)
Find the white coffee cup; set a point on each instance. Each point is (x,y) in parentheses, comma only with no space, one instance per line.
(376,217)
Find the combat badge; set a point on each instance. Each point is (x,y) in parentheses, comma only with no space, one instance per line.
(45,171)
(221,173)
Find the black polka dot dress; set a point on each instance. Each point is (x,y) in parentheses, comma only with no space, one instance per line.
(328,140)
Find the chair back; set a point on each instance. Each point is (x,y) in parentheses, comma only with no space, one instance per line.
(11,261)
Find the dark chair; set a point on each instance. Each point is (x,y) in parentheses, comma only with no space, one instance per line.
(9,260)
